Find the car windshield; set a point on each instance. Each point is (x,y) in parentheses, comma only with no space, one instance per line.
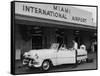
(54,46)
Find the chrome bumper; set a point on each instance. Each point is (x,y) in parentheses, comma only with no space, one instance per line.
(30,62)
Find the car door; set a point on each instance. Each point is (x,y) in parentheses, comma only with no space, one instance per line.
(65,56)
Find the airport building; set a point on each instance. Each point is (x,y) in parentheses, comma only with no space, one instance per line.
(38,25)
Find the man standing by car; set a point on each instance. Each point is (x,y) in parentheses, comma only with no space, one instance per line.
(75,45)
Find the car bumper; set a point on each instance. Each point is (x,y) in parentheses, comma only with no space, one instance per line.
(31,63)
(82,57)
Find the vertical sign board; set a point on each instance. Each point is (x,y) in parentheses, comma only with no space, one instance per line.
(54,12)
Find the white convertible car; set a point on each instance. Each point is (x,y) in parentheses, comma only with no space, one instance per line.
(56,55)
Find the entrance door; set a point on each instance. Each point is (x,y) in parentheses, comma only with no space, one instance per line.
(37,42)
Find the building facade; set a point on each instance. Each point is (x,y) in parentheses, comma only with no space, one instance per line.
(38,25)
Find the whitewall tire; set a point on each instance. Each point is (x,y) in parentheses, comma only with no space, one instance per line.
(46,65)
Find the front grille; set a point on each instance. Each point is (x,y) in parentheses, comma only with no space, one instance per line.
(27,60)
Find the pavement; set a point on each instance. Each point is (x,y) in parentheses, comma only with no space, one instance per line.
(19,69)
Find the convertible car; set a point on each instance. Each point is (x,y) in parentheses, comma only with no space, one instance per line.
(56,55)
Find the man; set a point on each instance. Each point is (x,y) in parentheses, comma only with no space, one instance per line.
(75,46)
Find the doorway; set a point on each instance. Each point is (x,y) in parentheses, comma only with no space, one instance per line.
(36,42)
(60,36)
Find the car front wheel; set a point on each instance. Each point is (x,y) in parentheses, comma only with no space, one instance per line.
(46,65)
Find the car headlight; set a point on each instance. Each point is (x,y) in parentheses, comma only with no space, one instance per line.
(25,54)
(36,56)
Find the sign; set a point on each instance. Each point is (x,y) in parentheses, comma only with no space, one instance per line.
(54,12)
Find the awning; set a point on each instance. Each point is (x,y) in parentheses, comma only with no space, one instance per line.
(27,20)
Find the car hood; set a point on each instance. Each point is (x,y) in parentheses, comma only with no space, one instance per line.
(39,52)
